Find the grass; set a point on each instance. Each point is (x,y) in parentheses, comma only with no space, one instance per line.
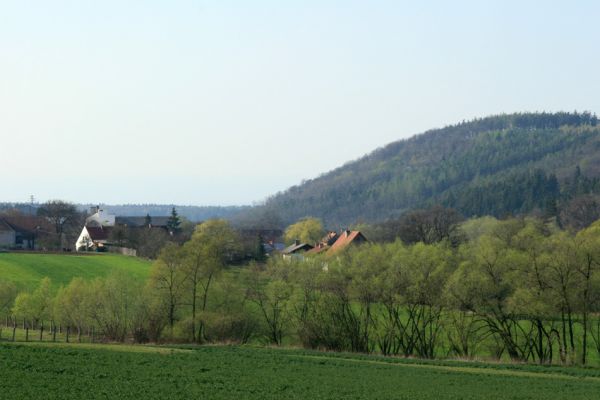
(73,371)
(27,270)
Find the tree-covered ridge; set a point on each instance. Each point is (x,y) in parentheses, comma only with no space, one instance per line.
(506,164)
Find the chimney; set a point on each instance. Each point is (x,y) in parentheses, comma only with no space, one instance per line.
(347,232)
(296,242)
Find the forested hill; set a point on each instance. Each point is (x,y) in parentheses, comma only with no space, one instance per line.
(505,164)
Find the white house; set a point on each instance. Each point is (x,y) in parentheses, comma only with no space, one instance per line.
(98,227)
(92,237)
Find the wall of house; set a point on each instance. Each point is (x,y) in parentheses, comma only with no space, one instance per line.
(7,239)
(82,240)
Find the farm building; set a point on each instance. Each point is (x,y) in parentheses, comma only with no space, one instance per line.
(23,231)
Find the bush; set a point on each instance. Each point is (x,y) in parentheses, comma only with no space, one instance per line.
(234,328)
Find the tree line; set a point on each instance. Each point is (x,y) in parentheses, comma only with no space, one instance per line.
(518,289)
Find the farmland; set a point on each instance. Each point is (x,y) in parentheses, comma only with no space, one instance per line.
(27,270)
(218,372)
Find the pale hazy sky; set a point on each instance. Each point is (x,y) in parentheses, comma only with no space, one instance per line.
(226,102)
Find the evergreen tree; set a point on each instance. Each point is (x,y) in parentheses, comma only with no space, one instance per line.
(259,252)
(174,222)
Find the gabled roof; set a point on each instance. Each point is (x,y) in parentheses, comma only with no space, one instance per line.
(296,247)
(319,248)
(347,238)
(330,238)
(98,233)
(5,227)
(28,224)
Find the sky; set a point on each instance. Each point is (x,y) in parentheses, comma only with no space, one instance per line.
(228,102)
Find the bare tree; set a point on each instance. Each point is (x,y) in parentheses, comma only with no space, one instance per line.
(580,212)
(63,216)
(430,225)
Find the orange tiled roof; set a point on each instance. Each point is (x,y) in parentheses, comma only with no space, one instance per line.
(319,248)
(346,238)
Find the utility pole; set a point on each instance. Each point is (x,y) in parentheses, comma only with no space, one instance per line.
(31,201)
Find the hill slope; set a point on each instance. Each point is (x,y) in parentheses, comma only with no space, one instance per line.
(27,270)
(495,165)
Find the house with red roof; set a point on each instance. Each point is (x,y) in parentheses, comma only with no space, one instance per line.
(335,242)
(346,238)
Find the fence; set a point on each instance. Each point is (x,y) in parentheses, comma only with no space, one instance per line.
(31,331)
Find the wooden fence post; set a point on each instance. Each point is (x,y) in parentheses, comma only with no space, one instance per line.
(67,333)
(14,329)
(27,333)
(42,331)
(54,333)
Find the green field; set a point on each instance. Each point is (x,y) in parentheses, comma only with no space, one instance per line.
(69,371)
(27,270)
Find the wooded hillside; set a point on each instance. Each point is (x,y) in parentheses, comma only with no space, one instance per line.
(499,165)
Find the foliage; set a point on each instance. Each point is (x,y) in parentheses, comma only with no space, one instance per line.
(36,306)
(173,222)
(516,289)
(307,230)
(66,220)
(505,164)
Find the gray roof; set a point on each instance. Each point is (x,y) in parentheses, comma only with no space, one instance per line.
(141,221)
(270,247)
(5,227)
(297,247)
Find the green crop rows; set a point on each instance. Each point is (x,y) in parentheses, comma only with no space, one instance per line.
(43,370)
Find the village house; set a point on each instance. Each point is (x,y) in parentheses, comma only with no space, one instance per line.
(332,243)
(347,238)
(23,232)
(325,243)
(96,233)
(296,250)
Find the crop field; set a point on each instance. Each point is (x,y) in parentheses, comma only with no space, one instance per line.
(93,371)
(27,270)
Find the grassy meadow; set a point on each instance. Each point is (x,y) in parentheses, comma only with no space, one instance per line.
(75,371)
(27,270)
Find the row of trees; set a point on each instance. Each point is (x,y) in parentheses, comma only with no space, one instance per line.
(517,289)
